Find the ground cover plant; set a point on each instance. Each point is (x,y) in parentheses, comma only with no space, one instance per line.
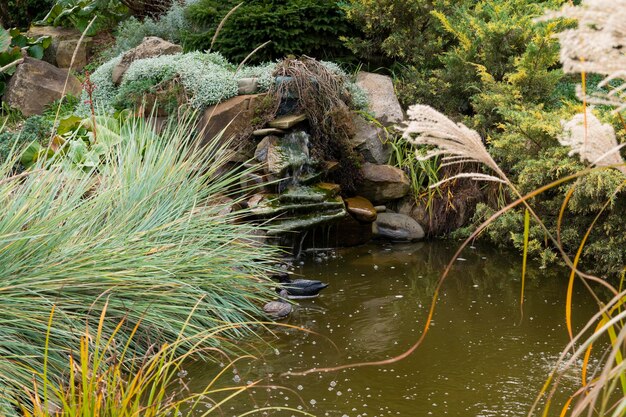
(146,233)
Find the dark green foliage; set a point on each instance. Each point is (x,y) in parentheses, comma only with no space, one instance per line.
(310,27)
(12,45)
(20,13)
(400,33)
(78,14)
(36,129)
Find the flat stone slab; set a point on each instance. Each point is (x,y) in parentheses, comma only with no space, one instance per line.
(332,188)
(268,131)
(287,122)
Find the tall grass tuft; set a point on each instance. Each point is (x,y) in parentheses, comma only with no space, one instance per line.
(105,379)
(146,233)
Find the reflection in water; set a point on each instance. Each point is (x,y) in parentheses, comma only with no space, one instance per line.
(478,359)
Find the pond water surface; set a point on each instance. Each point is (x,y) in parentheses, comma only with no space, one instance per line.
(480,358)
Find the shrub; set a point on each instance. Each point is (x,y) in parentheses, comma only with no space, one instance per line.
(399,31)
(20,13)
(171,26)
(494,67)
(79,13)
(310,27)
(36,129)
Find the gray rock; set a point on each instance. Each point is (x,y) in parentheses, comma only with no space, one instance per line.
(36,84)
(66,49)
(370,141)
(382,183)
(383,102)
(247,85)
(62,46)
(150,47)
(269,152)
(398,227)
(380,209)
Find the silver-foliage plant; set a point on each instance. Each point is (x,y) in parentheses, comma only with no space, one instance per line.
(208,78)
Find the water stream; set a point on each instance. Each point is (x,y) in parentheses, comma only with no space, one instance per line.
(481,357)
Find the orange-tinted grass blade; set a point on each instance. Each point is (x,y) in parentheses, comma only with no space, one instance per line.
(566,407)
(546,409)
(583,374)
(45,360)
(559,221)
(570,286)
(524,261)
(584,87)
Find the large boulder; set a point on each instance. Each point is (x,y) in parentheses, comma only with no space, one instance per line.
(36,84)
(397,227)
(64,41)
(150,47)
(370,140)
(234,116)
(382,183)
(383,102)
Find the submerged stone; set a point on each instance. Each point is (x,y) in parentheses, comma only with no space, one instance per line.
(361,209)
(350,232)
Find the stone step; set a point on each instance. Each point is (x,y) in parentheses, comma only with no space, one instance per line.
(287,122)
(305,222)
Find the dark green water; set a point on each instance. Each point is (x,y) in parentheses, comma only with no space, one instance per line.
(478,359)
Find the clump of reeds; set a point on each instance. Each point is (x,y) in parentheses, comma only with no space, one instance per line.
(146,230)
(105,378)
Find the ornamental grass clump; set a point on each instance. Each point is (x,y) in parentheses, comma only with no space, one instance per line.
(146,233)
